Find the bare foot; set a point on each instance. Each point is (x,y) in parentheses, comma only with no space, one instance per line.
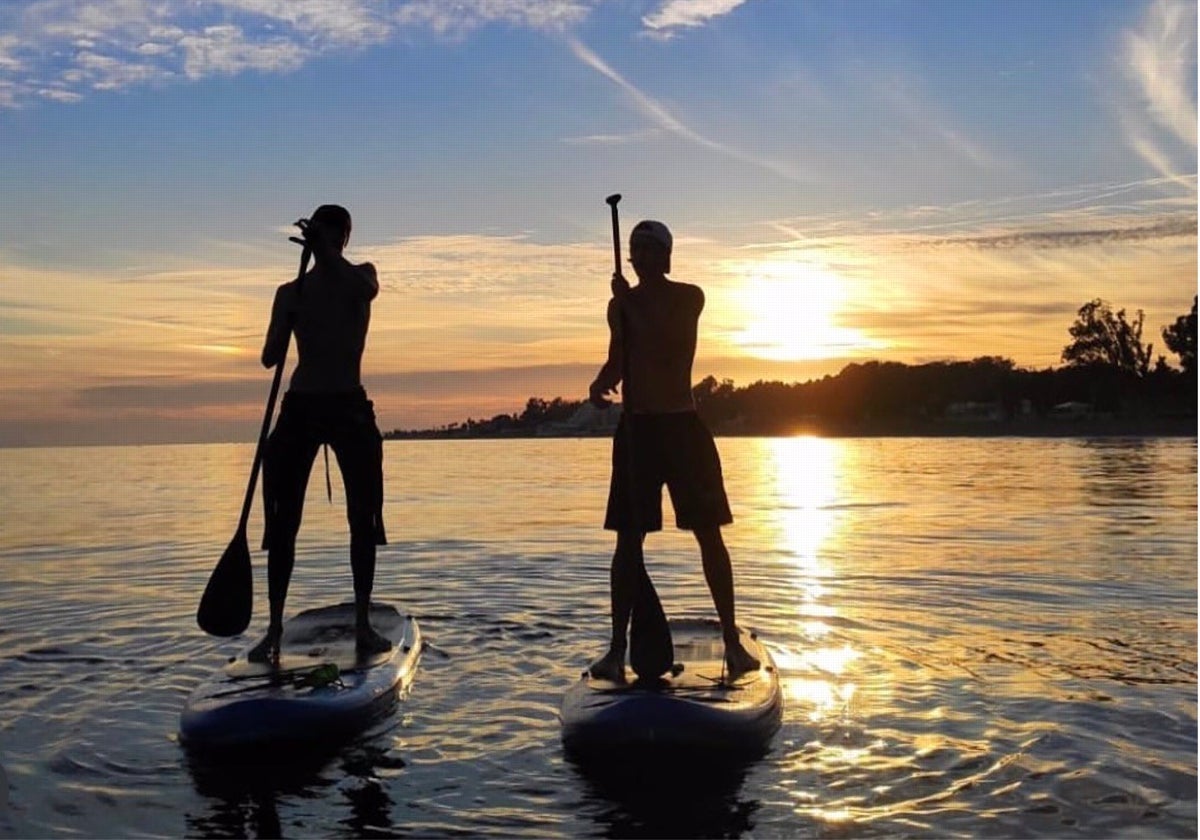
(368,642)
(266,652)
(610,667)
(738,660)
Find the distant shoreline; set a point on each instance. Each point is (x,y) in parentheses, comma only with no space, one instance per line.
(1094,427)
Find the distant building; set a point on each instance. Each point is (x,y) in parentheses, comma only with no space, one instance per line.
(587,421)
(975,412)
(1071,410)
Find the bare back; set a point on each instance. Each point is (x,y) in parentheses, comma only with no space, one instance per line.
(330,318)
(662,320)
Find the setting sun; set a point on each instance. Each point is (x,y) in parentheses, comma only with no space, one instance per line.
(791,310)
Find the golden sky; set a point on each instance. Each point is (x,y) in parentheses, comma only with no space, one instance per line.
(955,183)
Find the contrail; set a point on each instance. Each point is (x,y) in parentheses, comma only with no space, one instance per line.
(664,119)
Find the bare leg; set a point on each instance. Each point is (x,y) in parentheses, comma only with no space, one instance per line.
(286,466)
(266,651)
(362,559)
(623,580)
(360,461)
(718,572)
(280,560)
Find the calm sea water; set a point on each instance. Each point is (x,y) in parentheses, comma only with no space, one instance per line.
(977,637)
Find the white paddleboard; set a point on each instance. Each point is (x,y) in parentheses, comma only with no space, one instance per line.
(695,707)
(321,691)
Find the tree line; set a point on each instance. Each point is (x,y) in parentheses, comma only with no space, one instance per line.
(1108,369)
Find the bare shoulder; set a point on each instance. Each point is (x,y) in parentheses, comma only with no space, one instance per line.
(286,293)
(689,293)
(370,278)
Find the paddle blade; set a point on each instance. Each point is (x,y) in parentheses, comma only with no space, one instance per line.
(226,604)
(651,653)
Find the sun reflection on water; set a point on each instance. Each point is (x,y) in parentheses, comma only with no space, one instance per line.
(804,475)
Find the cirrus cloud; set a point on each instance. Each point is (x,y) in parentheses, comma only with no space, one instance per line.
(61,50)
(1159,61)
(676,14)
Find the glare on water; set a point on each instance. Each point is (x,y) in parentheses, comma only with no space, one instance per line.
(975,636)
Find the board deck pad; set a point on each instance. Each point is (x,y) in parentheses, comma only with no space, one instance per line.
(321,688)
(696,704)
(324,635)
(699,669)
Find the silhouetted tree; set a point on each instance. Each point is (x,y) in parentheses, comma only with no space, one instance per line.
(1104,339)
(1181,339)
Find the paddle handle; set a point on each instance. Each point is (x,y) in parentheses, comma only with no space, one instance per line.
(260,449)
(612,201)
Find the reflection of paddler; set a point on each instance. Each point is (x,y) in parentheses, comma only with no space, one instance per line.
(661,440)
(329,310)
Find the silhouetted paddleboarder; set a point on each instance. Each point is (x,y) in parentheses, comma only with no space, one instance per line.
(329,311)
(660,440)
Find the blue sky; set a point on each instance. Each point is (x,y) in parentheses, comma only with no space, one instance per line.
(847,180)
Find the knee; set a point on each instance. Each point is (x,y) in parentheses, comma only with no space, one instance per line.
(629,542)
(281,539)
(362,524)
(710,540)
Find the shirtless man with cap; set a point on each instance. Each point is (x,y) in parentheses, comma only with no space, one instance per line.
(671,444)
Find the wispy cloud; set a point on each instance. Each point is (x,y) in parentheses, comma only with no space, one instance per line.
(226,50)
(1001,276)
(459,18)
(1148,204)
(349,22)
(477,293)
(1159,59)
(513,316)
(60,50)
(1182,225)
(904,94)
(615,139)
(675,14)
(664,119)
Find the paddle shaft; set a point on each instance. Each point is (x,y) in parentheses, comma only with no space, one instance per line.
(626,409)
(259,450)
(616,234)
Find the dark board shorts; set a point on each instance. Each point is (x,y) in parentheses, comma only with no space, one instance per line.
(346,423)
(672,449)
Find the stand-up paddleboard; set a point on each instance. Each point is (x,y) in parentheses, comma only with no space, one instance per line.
(695,707)
(322,690)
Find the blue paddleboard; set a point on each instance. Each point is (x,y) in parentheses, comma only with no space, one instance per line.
(695,707)
(322,690)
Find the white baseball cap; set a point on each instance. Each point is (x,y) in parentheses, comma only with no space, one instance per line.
(651,229)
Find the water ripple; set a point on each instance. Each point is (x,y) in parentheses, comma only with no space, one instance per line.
(973,640)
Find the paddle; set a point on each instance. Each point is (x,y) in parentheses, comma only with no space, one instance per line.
(651,653)
(228,598)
